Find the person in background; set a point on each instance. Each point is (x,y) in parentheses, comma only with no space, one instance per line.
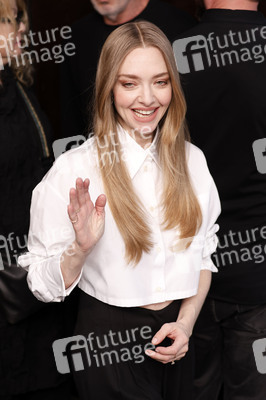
(27,367)
(223,65)
(89,34)
(142,260)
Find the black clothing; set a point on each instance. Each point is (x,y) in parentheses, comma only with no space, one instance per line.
(78,71)
(224,80)
(225,333)
(23,163)
(226,114)
(26,357)
(117,367)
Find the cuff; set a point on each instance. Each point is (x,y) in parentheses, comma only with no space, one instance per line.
(45,278)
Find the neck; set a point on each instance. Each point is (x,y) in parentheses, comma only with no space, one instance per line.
(248,5)
(133,9)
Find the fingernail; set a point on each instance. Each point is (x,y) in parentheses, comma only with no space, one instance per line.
(154,340)
(148,352)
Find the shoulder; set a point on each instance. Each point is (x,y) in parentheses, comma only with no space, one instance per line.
(169,18)
(198,168)
(82,156)
(78,162)
(194,154)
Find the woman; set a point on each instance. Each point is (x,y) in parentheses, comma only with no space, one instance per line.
(142,260)
(27,369)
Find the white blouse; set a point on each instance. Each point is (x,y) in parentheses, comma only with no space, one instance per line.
(168,272)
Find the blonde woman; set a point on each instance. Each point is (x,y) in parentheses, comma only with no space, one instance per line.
(138,232)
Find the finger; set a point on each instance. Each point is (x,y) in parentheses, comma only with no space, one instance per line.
(181,356)
(86,191)
(100,204)
(80,192)
(174,350)
(73,202)
(72,214)
(169,350)
(159,357)
(162,334)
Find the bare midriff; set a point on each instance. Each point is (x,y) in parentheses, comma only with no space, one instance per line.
(158,306)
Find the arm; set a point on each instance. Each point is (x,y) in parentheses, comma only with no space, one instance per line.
(181,330)
(57,247)
(88,224)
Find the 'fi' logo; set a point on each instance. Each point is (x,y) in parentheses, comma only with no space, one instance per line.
(60,146)
(259,150)
(259,349)
(191,54)
(71,353)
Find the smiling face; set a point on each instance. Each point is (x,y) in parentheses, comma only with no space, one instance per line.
(142,92)
(10,33)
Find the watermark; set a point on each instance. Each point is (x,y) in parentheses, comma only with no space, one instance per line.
(13,246)
(241,246)
(36,47)
(60,146)
(10,248)
(259,150)
(259,349)
(197,53)
(79,353)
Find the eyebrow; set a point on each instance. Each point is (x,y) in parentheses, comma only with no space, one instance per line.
(136,77)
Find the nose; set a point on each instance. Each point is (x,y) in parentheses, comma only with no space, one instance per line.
(146,96)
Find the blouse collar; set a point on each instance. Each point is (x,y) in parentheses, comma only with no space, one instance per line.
(133,154)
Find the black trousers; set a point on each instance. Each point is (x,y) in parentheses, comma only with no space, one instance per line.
(223,338)
(118,368)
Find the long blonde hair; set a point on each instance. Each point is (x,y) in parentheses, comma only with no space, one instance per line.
(23,71)
(180,206)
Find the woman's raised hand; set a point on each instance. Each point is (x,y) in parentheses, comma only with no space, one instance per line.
(87,219)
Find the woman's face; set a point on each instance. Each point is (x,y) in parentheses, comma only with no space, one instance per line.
(143,91)
(10,35)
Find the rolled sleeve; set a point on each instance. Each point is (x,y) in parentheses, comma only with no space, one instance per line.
(50,234)
(45,278)
(210,246)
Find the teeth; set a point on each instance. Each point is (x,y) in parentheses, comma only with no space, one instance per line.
(143,113)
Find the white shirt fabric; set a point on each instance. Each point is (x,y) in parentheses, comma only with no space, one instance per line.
(168,272)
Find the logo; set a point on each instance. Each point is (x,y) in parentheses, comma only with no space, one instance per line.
(1,263)
(259,150)
(71,353)
(60,146)
(191,54)
(259,349)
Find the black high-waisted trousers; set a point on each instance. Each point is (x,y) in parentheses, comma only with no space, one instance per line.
(113,364)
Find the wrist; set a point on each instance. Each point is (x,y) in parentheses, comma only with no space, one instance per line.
(79,251)
(186,328)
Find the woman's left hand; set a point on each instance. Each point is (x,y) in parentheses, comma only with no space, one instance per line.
(179,335)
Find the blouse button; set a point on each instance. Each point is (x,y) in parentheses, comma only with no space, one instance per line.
(159,289)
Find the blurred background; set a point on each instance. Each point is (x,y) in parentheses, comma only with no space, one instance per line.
(49,14)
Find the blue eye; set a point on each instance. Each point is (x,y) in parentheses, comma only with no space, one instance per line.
(128,84)
(162,83)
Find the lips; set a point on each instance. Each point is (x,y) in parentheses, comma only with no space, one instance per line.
(146,114)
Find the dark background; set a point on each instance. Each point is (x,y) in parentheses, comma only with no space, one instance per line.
(48,14)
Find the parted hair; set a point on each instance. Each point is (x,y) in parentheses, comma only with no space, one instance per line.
(23,71)
(180,207)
